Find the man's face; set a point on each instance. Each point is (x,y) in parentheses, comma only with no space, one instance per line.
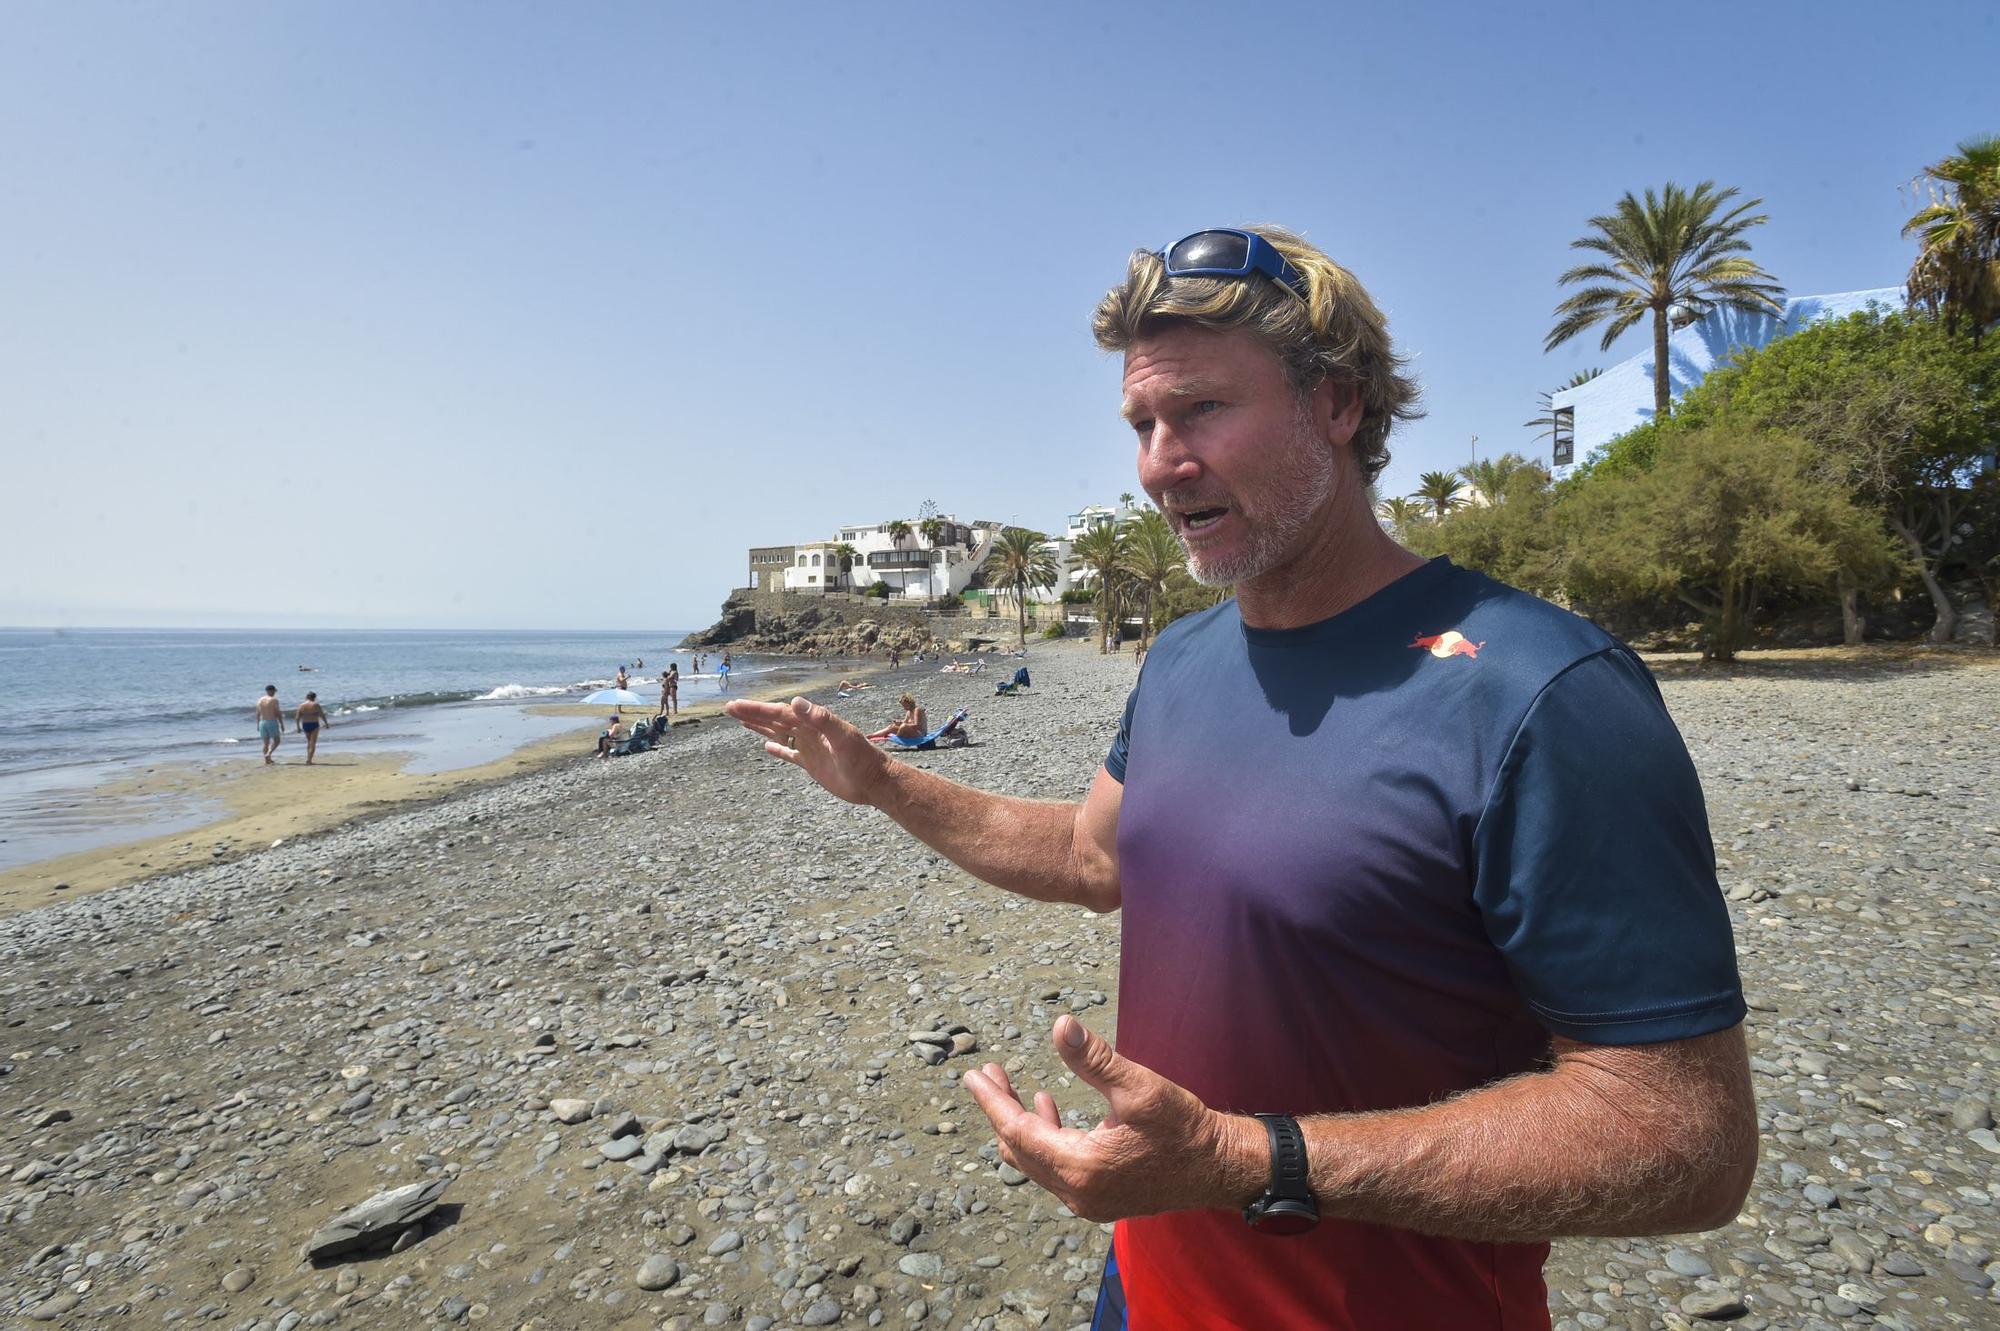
(1227,450)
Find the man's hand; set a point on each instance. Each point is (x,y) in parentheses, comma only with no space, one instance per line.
(831,751)
(1158,1149)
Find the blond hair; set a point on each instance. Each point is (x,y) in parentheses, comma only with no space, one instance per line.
(1337,334)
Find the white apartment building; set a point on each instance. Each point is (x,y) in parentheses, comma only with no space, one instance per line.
(916,568)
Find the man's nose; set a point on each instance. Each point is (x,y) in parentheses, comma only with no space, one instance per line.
(1164,462)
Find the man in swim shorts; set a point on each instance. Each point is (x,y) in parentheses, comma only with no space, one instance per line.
(270,722)
(311,717)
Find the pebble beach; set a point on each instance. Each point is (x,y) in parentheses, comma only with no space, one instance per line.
(673,1041)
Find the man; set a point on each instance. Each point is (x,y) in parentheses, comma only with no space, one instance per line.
(1412,862)
(311,716)
(270,722)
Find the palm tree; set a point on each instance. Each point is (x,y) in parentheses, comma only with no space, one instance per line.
(1957,272)
(932,528)
(1546,426)
(1490,476)
(845,555)
(1020,562)
(1400,513)
(1440,490)
(1671,255)
(1101,552)
(1152,555)
(899,531)
(1125,500)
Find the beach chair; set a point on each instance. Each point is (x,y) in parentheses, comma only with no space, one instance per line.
(950,735)
(1014,685)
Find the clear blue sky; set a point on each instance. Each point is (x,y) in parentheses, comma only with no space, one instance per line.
(500,316)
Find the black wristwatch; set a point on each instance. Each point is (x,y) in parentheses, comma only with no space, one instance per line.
(1287,1206)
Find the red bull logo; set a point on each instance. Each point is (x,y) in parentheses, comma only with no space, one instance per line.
(1448,643)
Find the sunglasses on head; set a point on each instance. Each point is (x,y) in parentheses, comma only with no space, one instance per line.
(1227,252)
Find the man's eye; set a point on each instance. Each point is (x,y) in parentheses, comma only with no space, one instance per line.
(1204,407)
(1142,428)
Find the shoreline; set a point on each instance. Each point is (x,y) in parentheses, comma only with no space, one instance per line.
(260,816)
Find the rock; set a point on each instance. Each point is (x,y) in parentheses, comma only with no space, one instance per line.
(658,1271)
(1682,1262)
(727,1241)
(621,1148)
(48,1118)
(374,1220)
(1713,1305)
(1969,1113)
(570,1111)
(1902,1264)
(823,1312)
(239,1279)
(921,1265)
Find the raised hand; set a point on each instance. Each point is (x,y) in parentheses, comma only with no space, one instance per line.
(832,752)
(1159,1148)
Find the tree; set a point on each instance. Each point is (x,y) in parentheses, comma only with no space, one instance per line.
(1897,409)
(1517,538)
(1185,596)
(1153,554)
(1101,552)
(1125,499)
(1440,490)
(1957,271)
(845,555)
(1491,475)
(1547,425)
(1020,562)
(1671,256)
(932,528)
(1725,517)
(1400,515)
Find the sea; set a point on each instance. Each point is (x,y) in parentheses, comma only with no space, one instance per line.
(81,707)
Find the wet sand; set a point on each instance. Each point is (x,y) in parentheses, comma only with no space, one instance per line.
(262,805)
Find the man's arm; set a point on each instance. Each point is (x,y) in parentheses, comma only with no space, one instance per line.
(1608,1140)
(1045,849)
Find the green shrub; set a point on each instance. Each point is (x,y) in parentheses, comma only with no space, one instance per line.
(1053,632)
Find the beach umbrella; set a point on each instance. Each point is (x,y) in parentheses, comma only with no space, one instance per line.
(623,697)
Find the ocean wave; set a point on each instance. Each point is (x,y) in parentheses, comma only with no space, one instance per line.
(227,740)
(506,691)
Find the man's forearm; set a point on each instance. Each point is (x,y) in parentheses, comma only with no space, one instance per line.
(1025,846)
(1569,1151)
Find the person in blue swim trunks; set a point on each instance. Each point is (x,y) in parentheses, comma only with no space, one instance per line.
(270,722)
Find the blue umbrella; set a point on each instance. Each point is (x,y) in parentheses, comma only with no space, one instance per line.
(623,697)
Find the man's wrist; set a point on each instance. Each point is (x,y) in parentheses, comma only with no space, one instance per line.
(1243,1160)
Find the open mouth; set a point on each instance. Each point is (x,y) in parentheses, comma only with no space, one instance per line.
(1198,519)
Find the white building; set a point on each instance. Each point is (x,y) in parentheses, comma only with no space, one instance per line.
(915,567)
(1595,412)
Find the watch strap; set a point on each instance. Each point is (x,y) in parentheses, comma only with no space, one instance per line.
(1289,1178)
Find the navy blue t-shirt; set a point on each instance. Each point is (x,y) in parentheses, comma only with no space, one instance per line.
(1377,860)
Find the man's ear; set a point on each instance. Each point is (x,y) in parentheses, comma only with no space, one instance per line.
(1337,409)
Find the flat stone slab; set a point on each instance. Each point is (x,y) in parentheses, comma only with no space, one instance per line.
(383,1215)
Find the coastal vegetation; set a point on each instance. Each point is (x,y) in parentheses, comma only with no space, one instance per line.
(1020,563)
(1847,463)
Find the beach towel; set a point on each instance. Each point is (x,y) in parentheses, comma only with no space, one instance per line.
(943,735)
(1020,681)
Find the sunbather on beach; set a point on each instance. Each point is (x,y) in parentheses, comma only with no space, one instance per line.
(613,736)
(912,726)
(853,685)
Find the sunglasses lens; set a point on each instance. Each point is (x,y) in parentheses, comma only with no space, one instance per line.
(1213,250)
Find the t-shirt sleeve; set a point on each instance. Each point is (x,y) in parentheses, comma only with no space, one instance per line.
(1596,874)
(1114,761)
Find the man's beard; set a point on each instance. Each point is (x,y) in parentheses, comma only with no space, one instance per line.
(1301,492)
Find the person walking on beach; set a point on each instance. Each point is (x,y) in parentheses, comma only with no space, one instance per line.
(674,686)
(270,722)
(311,716)
(1423,958)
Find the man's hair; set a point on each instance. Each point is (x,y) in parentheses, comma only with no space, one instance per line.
(1338,335)
(270,688)
(311,696)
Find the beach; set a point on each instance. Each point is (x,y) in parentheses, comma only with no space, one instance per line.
(681,1036)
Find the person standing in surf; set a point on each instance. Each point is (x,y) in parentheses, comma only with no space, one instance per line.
(270,722)
(311,716)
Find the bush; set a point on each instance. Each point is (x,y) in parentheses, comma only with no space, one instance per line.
(1053,632)
(879,590)
(1079,596)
